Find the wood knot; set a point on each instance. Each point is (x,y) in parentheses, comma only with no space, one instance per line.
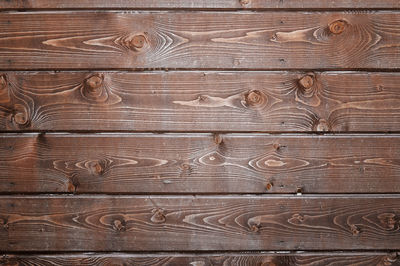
(138,41)
(244,2)
(95,167)
(119,225)
(296,219)
(355,230)
(94,89)
(185,167)
(158,216)
(3,82)
(218,139)
(321,126)
(255,227)
(337,26)
(390,258)
(255,99)
(388,220)
(94,82)
(21,116)
(278,147)
(269,186)
(20,119)
(306,82)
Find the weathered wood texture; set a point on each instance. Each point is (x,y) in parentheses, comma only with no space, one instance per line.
(171,163)
(200,101)
(199,4)
(267,40)
(201,259)
(144,223)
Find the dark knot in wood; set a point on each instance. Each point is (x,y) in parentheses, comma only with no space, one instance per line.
(306,82)
(244,2)
(337,26)
(94,82)
(21,116)
(322,126)
(95,167)
(94,89)
(269,186)
(355,230)
(218,139)
(255,227)
(119,225)
(391,258)
(389,221)
(3,82)
(158,216)
(255,99)
(138,41)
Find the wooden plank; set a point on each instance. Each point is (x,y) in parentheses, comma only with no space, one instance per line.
(144,223)
(267,40)
(200,101)
(199,163)
(199,4)
(201,259)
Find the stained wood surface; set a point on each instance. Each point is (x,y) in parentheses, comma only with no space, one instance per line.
(267,40)
(200,101)
(144,223)
(237,259)
(199,4)
(198,163)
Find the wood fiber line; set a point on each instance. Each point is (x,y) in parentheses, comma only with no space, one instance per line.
(200,101)
(199,4)
(172,163)
(133,223)
(237,259)
(268,40)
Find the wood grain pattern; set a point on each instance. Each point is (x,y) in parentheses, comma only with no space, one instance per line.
(199,4)
(200,101)
(144,223)
(199,163)
(200,259)
(267,40)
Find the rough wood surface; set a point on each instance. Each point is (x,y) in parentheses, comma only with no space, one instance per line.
(199,4)
(202,163)
(201,259)
(267,40)
(145,223)
(200,101)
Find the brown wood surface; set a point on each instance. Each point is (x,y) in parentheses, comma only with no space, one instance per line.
(266,40)
(201,259)
(199,4)
(200,101)
(199,163)
(166,223)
